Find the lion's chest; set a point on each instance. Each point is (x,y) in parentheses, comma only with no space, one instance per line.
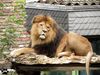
(46,49)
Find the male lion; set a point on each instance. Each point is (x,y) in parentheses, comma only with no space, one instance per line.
(49,39)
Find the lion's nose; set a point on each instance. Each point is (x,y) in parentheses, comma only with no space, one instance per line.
(44,30)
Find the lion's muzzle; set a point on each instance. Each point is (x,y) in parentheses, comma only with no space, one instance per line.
(42,35)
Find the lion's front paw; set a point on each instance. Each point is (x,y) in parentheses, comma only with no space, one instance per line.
(15,53)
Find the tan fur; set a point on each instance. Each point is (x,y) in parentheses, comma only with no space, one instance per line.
(46,33)
(78,45)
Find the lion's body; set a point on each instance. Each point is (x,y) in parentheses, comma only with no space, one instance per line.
(79,44)
(49,39)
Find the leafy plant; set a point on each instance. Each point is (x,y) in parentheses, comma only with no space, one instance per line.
(16,20)
(7,39)
(1,4)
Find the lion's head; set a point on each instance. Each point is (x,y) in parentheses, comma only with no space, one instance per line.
(43,29)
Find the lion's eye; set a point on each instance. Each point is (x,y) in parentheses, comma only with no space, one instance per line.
(41,24)
(48,27)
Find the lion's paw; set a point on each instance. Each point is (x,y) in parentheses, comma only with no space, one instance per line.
(15,53)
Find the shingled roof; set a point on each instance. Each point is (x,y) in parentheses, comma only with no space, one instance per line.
(67,2)
(84,20)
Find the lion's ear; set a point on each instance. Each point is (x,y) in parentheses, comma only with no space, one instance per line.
(33,20)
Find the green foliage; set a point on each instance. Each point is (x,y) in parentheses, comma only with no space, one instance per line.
(1,14)
(16,20)
(1,4)
(8,36)
(20,4)
(19,10)
(7,39)
(21,1)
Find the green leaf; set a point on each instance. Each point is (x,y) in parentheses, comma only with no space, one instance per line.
(19,21)
(1,4)
(21,1)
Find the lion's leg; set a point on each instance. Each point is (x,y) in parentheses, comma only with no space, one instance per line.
(20,51)
(67,54)
(62,45)
(75,57)
(70,55)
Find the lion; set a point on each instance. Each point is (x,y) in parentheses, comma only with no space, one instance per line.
(49,39)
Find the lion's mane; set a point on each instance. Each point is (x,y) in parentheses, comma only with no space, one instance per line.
(49,46)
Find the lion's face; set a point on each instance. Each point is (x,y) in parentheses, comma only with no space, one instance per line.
(43,31)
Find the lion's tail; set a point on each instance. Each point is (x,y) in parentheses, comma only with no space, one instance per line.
(88,59)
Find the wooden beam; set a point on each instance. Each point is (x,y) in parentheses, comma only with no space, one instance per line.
(54,67)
